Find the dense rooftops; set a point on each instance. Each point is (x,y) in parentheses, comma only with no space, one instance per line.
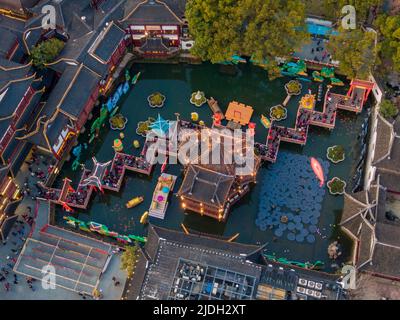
(155,12)
(174,265)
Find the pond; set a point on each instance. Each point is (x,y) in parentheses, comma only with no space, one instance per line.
(251,86)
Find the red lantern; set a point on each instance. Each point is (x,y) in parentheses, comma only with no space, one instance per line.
(252,127)
(217,119)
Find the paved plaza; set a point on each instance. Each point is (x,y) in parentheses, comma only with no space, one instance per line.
(22,233)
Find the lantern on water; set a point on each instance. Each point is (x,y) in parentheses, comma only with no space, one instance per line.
(217,119)
(136,144)
(118,145)
(195,116)
(318,171)
(252,127)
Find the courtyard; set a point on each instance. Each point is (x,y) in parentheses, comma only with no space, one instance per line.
(251,87)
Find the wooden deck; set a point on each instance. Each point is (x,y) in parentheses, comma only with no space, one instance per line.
(214,106)
(308,117)
(80,197)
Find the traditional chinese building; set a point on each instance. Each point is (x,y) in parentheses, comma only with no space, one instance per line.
(368,220)
(212,189)
(65,111)
(156,27)
(20,93)
(94,47)
(9,200)
(177,266)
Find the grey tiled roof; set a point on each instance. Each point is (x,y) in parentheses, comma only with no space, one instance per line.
(68,95)
(172,246)
(366,244)
(209,187)
(389,180)
(385,261)
(153,12)
(352,207)
(392,162)
(383,140)
(110,42)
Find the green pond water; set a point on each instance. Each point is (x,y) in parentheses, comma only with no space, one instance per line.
(250,86)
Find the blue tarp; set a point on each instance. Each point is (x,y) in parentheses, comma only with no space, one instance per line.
(320,30)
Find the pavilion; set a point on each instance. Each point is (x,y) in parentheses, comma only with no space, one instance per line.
(211,189)
(98,172)
(160,127)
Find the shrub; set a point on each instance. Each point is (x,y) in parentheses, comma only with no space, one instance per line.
(336,186)
(46,51)
(336,154)
(388,110)
(129,259)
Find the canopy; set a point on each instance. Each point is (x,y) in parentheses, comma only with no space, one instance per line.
(160,127)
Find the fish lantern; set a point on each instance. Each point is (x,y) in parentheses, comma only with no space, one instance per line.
(217,119)
(318,170)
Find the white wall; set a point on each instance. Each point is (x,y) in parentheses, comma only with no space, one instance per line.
(369,169)
(187,44)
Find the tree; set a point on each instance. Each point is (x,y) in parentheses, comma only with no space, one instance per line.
(263,29)
(388,110)
(332,9)
(46,51)
(272,29)
(389,31)
(129,259)
(356,52)
(215,26)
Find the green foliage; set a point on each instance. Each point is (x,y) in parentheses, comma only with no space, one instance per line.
(336,186)
(356,52)
(198,101)
(46,51)
(388,110)
(129,259)
(293,87)
(332,8)
(156,100)
(144,126)
(263,29)
(118,122)
(278,113)
(389,30)
(336,154)
(272,29)
(215,26)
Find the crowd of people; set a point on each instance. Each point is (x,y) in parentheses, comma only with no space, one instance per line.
(8,278)
(78,197)
(319,51)
(112,178)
